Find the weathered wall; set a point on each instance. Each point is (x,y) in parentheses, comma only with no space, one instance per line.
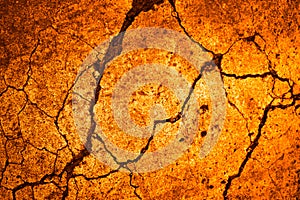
(256,47)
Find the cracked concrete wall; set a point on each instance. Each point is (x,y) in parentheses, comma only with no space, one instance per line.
(255,45)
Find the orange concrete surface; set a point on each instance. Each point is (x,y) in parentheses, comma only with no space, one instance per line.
(256,48)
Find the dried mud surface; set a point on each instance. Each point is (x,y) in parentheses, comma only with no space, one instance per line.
(256,46)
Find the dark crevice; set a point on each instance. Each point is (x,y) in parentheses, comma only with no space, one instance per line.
(245,76)
(134,186)
(115,46)
(176,15)
(97,177)
(114,49)
(255,142)
(217,58)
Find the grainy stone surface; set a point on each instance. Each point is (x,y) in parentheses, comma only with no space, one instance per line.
(255,45)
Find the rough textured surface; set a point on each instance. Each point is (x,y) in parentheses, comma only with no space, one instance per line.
(256,45)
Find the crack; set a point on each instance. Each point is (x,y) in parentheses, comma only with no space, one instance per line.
(134,186)
(217,58)
(5,90)
(73,35)
(243,116)
(115,46)
(57,118)
(70,166)
(255,142)
(137,7)
(46,179)
(41,149)
(245,76)
(4,168)
(268,108)
(271,178)
(97,177)
(177,17)
(29,68)
(114,50)
(29,71)
(156,122)
(77,191)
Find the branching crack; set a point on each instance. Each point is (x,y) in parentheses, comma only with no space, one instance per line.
(114,49)
(217,58)
(255,142)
